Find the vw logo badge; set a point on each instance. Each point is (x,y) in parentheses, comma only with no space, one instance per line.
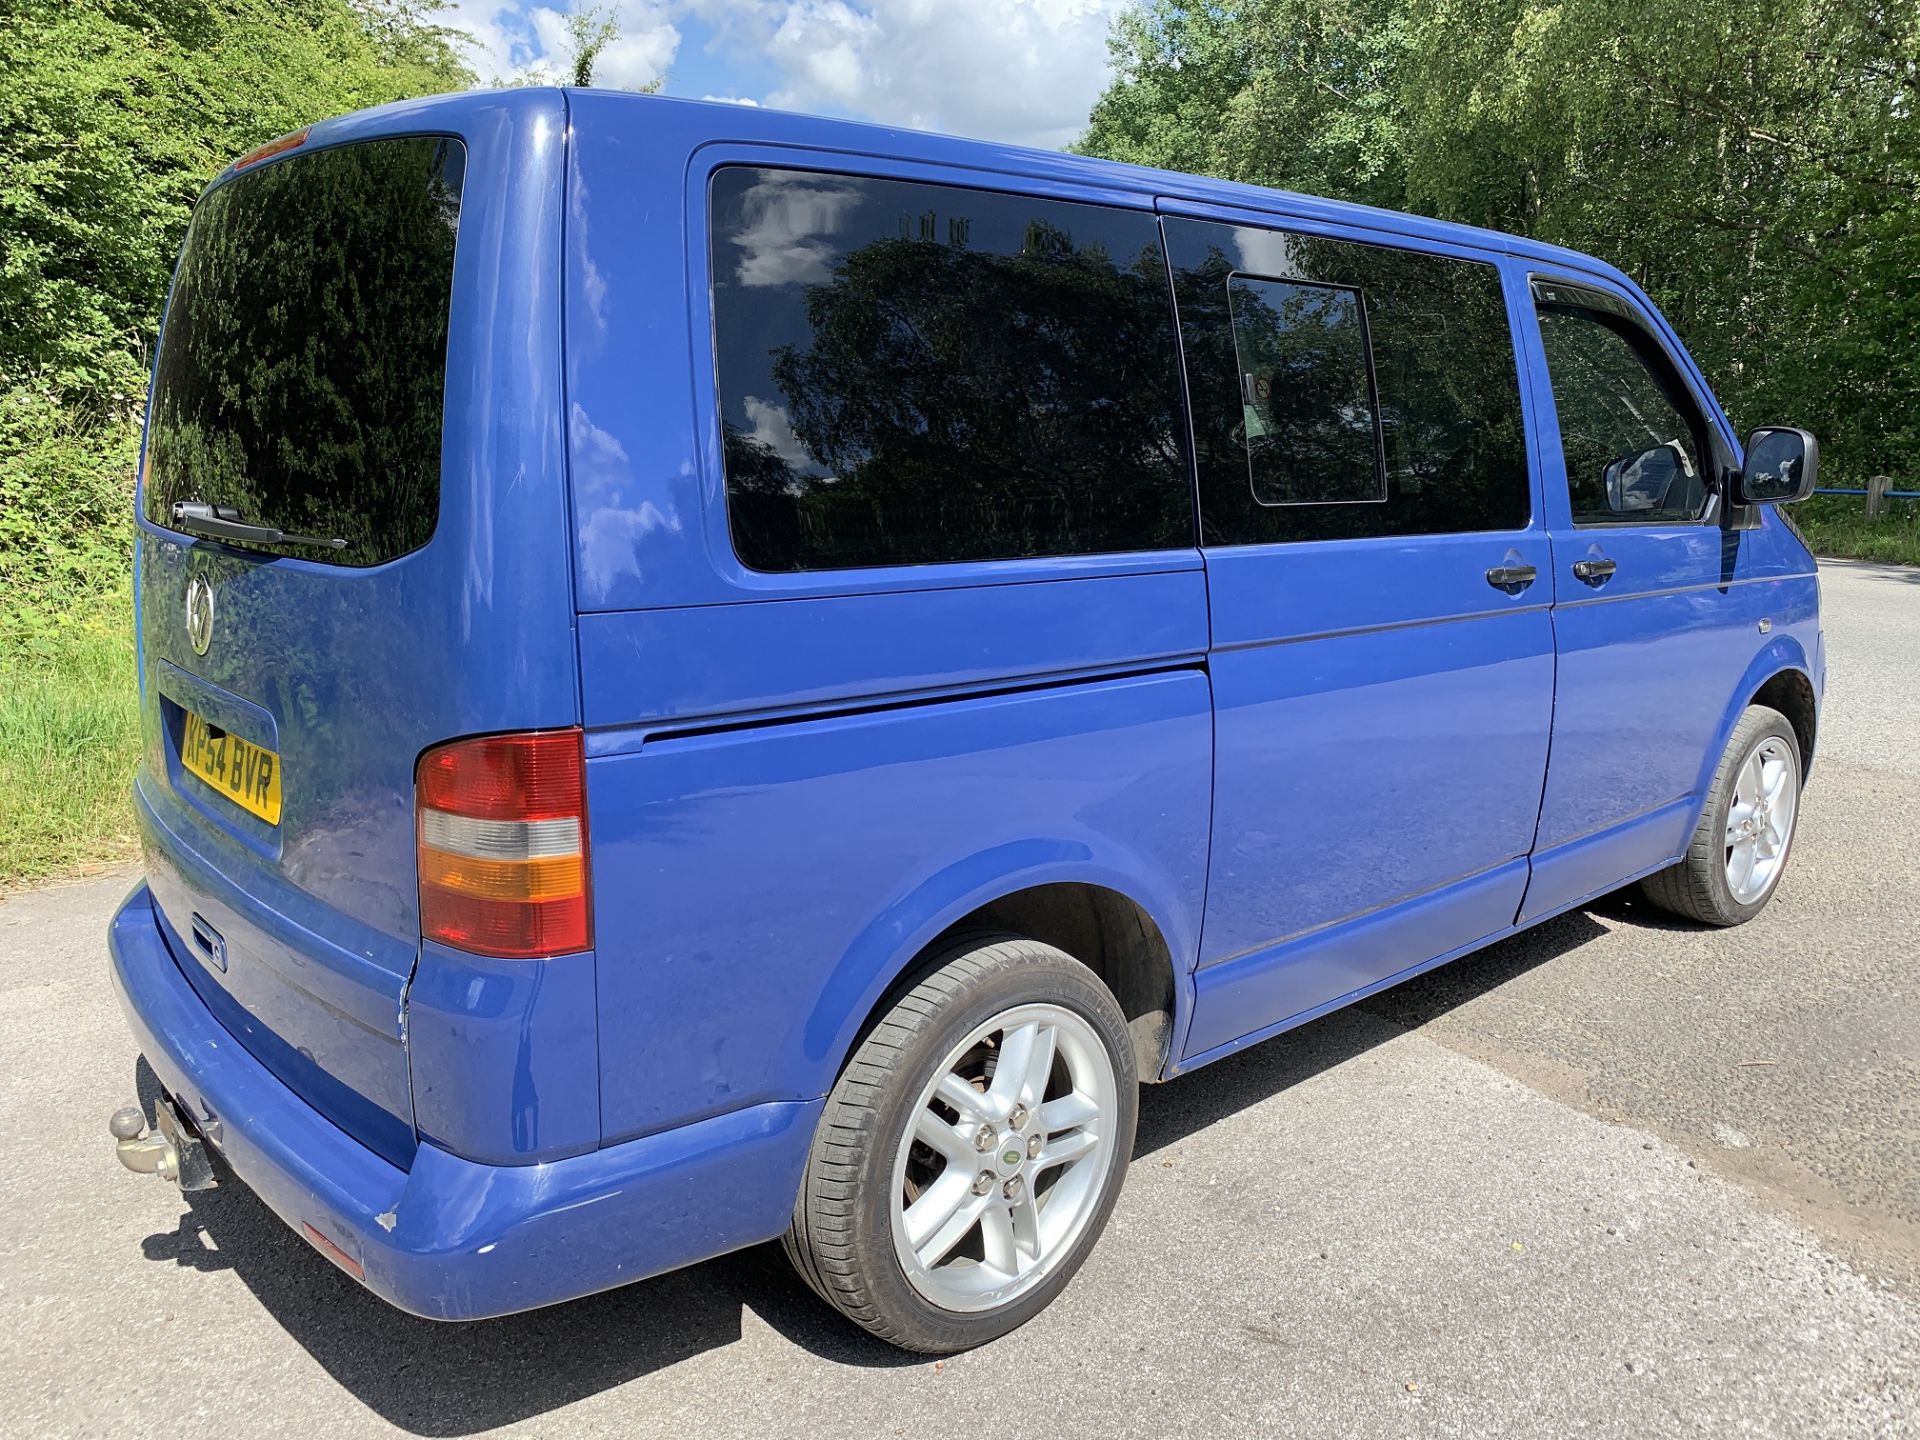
(199,615)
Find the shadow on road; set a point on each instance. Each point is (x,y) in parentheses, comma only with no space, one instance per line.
(1171,1112)
(1877,569)
(437,1379)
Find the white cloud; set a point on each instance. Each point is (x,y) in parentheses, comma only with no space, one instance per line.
(789,221)
(550,31)
(774,429)
(512,40)
(1026,71)
(640,56)
(1018,70)
(494,29)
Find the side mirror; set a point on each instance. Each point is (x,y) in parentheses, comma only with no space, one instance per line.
(1781,467)
(1638,483)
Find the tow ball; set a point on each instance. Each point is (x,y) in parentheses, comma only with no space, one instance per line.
(172,1151)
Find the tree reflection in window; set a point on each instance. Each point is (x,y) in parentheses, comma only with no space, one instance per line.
(1445,383)
(917,373)
(302,368)
(1309,419)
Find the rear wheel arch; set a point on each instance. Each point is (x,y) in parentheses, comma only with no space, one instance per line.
(1108,931)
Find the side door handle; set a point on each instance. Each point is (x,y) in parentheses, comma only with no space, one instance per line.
(1595,571)
(1512,577)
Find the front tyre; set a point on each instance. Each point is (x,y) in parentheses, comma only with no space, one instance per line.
(972,1150)
(1739,850)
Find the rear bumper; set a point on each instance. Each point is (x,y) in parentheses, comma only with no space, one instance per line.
(451,1239)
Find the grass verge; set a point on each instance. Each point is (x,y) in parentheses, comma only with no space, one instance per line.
(1838,525)
(69,739)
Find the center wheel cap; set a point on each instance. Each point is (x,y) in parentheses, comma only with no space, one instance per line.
(1013,1150)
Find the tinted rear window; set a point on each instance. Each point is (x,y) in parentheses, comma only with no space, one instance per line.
(915,373)
(303,361)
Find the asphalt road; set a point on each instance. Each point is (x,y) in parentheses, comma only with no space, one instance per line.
(1616,1177)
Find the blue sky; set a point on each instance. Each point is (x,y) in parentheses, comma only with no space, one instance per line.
(1018,70)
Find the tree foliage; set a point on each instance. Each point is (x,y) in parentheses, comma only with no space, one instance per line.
(966,402)
(589,31)
(1755,164)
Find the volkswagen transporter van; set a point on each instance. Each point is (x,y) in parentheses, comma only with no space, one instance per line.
(711,676)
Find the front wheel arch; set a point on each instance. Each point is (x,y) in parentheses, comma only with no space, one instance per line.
(1791,693)
(1781,663)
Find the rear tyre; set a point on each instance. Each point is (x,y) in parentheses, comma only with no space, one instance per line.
(1739,850)
(970,1154)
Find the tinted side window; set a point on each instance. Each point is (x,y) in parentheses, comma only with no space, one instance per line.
(302,368)
(1306,393)
(1631,437)
(915,373)
(1445,391)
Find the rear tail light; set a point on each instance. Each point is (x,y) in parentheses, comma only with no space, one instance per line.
(502,829)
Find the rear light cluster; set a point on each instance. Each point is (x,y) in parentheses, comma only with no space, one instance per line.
(502,829)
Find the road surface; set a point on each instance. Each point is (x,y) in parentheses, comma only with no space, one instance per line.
(1616,1177)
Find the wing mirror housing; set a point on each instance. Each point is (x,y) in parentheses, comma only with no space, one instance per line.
(1638,483)
(1782,467)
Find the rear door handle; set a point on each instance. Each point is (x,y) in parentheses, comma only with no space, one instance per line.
(1594,572)
(1505,577)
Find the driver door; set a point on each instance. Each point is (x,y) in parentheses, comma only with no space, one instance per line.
(1647,590)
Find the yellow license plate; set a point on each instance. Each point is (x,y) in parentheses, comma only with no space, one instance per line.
(244,772)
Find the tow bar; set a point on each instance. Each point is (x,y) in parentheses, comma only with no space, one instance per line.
(173,1151)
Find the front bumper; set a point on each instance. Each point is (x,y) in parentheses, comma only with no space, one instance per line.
(451,1239)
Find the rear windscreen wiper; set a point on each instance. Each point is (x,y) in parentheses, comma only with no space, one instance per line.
(223,522)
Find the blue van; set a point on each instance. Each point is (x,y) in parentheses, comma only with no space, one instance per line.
(711,676)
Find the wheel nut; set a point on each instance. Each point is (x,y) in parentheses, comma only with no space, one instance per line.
(983,1139)
(1033,1147)
(1018,1117)
(983,1182)
(1012,1188)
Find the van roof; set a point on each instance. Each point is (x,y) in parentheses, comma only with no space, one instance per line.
(791,127)
(725,121)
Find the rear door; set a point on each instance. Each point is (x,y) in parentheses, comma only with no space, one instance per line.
(1382,656)
(1655,623)
(361,349)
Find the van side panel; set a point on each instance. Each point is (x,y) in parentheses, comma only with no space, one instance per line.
(760,888)
(798,779)
(674,666)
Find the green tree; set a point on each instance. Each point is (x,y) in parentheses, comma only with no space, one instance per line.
(589,31)
(1254,89)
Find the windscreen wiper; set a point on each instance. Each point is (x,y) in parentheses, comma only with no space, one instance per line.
(223,522)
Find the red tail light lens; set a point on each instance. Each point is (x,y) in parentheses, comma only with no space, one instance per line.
(502,829)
